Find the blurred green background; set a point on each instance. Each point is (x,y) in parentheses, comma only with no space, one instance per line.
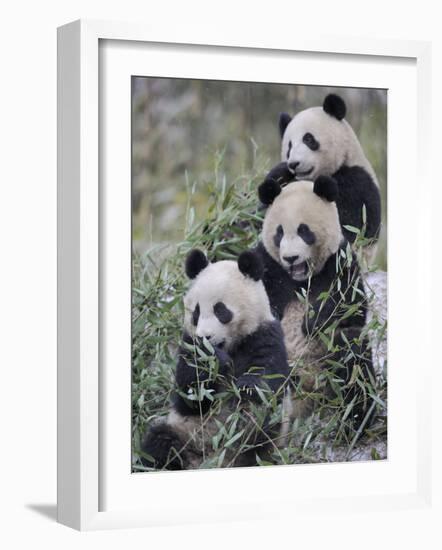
(183,131)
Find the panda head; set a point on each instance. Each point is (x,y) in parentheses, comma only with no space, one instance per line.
(315,141)
(301,228)
(227,300)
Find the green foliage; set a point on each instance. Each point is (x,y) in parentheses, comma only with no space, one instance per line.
(180,125)
(229,226)
(159,284)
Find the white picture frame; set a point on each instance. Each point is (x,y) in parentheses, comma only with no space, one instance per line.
(94,490)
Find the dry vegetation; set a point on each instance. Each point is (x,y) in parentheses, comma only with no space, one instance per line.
(198,157)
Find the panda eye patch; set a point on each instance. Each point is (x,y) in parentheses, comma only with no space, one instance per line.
(306,234)
(196,315)
(278,235)
(289,148)
(222,312)
(310,141)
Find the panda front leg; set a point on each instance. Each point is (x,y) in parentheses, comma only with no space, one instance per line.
(278,176)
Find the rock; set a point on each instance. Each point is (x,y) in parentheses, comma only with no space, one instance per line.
(376,289)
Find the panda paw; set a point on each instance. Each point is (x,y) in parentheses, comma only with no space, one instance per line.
(224,359)
(247,384)
(161,448)
(276,179)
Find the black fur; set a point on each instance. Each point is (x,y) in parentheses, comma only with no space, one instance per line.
(279,285)
(264,350)
(325,312)
(281,290)
(164,446)
(355,187)
(250,265)
(334,106)
(284,120)
(187,376)
(196,315)
(271,186)
(326,188)
(222,312)
(289,148)
(277,238)
(259,355)
(306,234)
(310,141)
(196,261)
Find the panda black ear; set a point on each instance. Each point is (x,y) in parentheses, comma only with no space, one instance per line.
(250,265)
(196,261)
(334,106)
(284,120)
(268,191)
(326,188)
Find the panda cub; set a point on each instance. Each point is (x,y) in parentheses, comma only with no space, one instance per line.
(320,142)
(314,285)
(228,317)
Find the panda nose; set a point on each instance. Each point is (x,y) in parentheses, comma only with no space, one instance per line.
(290,259)
(293,165)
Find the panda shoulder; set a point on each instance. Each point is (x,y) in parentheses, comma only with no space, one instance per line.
(354,174)
(265,336)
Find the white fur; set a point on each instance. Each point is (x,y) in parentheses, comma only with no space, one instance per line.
(338,145)
(246,298)
(296,204)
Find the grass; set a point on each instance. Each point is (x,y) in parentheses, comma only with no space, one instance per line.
(229,226)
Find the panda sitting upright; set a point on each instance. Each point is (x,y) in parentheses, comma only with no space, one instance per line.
(319,142)
(228,318)
(314,286)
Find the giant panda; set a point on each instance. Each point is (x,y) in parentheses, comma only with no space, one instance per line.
(314,285)
(228,321)
(318,141)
